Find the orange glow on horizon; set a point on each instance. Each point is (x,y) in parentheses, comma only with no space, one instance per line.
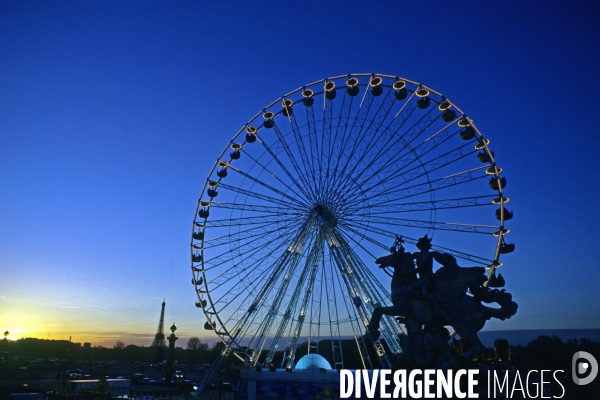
(26,327)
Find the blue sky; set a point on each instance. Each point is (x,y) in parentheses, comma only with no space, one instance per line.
(113,114)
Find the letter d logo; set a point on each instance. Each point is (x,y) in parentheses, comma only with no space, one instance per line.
(582,367)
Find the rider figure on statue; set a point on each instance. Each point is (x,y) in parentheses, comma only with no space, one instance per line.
(425,287)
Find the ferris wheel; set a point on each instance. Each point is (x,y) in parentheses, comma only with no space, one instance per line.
(313,189)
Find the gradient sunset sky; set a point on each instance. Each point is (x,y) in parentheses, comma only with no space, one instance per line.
(113,112)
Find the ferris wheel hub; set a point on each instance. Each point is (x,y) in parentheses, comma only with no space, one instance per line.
(324,215)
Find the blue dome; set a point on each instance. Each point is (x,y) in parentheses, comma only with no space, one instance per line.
(312,361)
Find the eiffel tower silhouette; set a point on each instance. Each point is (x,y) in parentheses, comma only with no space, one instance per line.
(159,339)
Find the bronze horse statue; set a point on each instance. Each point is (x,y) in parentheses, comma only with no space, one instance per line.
(427,303)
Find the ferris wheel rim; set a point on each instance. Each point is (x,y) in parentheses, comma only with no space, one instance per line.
(253,128)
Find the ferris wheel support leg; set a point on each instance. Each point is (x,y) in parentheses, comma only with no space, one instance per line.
(294,258)
(308,273)
(384,359)
(354,289)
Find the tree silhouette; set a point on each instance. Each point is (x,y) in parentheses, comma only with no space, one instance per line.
(192,343)
(119,345)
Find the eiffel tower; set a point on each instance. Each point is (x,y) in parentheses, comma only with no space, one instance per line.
(159,339)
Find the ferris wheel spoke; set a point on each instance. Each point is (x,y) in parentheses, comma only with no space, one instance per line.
(373,125)
(401,116)
(313,139)
(275,175)
(352,134)
(285,170)
(379,132)
(401,175)
(349,227)
(385,233)
(326,139)
(429,186)
(407,155)
(309,169)
(414,131)
(250,220)
(452,226)
(331,142)
(244,242)
(231,254)
(463,255)
(394,127)
(260,196)
(382,115)
(354,226)
(265,185)
(224,275)
(427,167)
(420,126)
(434,204)
(228,297)
(420,189)
(432,142)
(327,190)
(222,304)
(266,209)
(301,175)
(244,237)
(456,253)
(412,240)
(424,168)
(341,137)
